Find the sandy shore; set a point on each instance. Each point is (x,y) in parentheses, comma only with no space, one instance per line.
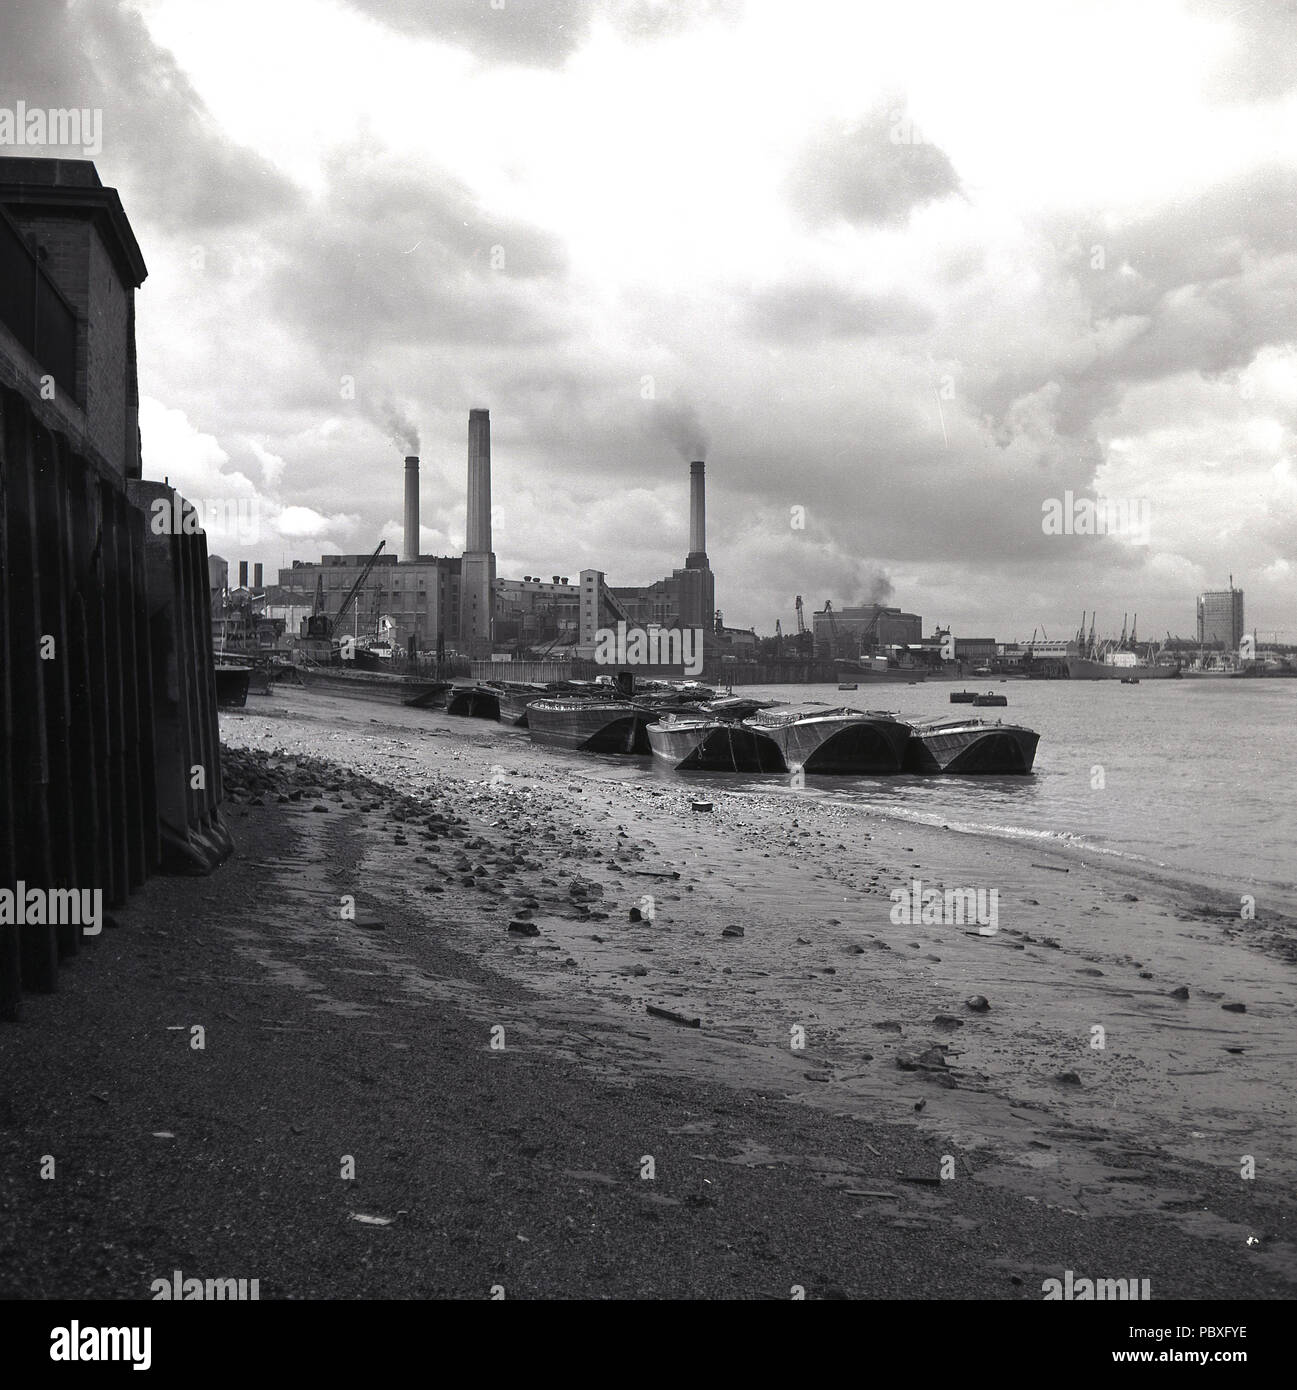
(835,1074)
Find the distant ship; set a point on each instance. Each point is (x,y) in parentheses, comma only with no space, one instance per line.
(876,668)
(1113,668)
(1115,661)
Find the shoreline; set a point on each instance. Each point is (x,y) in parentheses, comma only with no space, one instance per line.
(1167,1059)
(774,1166)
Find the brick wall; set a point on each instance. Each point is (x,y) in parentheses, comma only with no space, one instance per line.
(79,263)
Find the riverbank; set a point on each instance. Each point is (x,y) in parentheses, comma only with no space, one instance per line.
(773,1165)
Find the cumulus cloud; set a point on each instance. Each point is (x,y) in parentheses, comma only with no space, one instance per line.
(539,33)
(908,341)
(158,137)
(875,170)
(815,310)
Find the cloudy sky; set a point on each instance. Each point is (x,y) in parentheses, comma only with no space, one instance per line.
(913,269)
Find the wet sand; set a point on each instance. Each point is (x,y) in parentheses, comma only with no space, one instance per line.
(517,1156)
(1020,1090)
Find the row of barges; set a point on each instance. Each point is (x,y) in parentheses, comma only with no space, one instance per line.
(692,729)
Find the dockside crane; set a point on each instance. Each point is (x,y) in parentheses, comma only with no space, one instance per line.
(802,635)
(833,625)
(354,592)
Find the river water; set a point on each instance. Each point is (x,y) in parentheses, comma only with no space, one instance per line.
(1195,778)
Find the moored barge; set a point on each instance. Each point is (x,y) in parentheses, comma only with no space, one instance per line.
(841,741)
(970,746)
(592,726)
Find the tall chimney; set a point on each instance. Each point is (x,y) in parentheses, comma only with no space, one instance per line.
(410,550)
(477,567)
(243,574)
(697,557)
(257,572)
(478,539)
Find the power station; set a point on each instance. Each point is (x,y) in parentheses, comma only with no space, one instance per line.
(457,605)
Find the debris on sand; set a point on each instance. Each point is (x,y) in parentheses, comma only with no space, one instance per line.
(672,1017)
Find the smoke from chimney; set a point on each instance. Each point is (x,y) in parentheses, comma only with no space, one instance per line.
(399,425)
(678,423)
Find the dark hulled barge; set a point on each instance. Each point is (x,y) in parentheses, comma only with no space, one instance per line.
(592,726)
(842,741)
(713,738)
(974,746)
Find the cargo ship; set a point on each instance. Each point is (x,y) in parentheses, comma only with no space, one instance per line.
(1112,667)
(970,746)
(870,669)
(1115,660)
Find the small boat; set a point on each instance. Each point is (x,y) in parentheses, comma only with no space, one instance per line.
(962,697)
(969,746)
(591,725)
(851,686)
(232,684)
(843,741)
(1130,680)
(990,698)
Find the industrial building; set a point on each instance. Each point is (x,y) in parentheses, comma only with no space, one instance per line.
(442,602)
(457,604)
(686,599)
(534,612)
(422,597)
(1220,618)
(847,632)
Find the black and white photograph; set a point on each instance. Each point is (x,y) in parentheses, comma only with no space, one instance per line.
(648,653)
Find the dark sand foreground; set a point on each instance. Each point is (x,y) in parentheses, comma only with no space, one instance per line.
(526,1165)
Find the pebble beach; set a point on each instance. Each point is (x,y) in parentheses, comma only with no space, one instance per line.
(586,1038)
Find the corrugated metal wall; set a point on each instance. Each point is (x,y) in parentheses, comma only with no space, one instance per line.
(107,699)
